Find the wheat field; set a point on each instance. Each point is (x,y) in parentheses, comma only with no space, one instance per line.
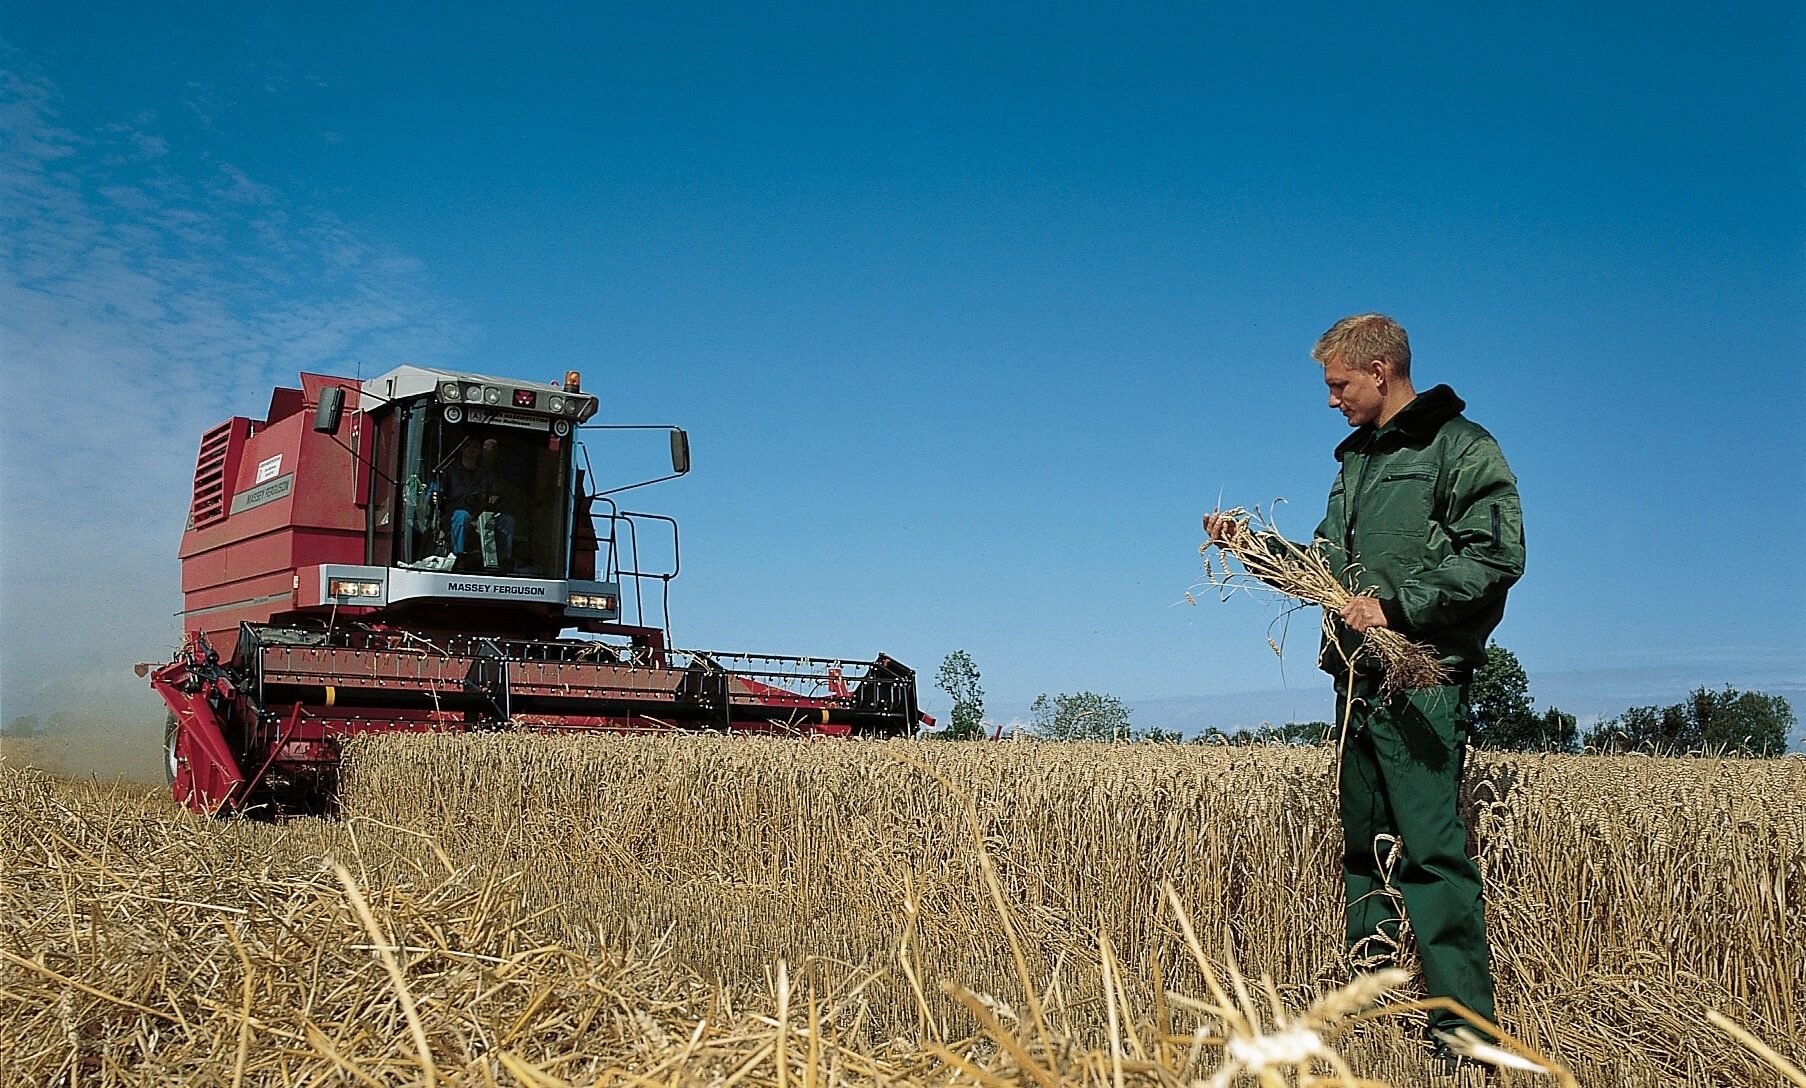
(507,909)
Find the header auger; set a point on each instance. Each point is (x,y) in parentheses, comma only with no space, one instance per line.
(421,553)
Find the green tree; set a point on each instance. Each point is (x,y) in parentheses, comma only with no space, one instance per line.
(1083,715)
(1560,731)
(1644,729)
(1745,722)
(958,677)
(1154,734)
(1501,713)
(1499,703)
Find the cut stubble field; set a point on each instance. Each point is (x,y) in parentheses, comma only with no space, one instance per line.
(508,909)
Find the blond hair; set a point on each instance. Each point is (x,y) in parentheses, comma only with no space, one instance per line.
(1358,338)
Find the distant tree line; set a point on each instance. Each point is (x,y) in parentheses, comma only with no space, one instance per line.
(1293,734)
(1079,715)
(29,726)
(1724,722)
(1728,721)
(23,727)
(1501,716)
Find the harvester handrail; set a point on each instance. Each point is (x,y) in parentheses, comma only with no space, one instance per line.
(619,572)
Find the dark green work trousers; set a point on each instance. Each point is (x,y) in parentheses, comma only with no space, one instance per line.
(1401,776)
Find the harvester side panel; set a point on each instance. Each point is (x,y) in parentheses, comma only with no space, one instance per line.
(287,497)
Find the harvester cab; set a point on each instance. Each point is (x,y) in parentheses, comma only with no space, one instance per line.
(422,551)
(470,502)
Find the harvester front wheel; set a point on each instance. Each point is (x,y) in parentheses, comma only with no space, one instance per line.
(169,749)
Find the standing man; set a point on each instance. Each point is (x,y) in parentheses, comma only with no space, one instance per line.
(1425,513)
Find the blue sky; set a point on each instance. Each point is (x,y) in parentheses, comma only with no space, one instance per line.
(970,312)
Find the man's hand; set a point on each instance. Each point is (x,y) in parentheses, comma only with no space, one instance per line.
(1364,612)
(1221,527)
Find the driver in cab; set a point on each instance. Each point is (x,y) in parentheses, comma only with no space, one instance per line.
(472,492)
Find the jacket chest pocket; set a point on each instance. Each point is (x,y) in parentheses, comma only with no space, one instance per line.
(1401,501)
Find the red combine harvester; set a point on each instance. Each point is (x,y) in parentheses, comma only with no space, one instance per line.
(418,551)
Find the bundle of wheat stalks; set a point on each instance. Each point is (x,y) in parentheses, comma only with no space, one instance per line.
(1266,561)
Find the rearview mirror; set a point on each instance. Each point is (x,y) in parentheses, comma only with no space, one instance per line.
(680,451)
(328,411)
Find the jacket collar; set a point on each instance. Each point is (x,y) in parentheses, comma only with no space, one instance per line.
(1422,418)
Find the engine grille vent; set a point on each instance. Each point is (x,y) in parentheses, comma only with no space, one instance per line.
(210,472)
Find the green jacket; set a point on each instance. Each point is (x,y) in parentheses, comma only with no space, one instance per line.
(1428,510)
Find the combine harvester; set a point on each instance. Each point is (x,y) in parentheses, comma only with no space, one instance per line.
(418,551)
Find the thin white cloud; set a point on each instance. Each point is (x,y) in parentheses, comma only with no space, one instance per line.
(147,291)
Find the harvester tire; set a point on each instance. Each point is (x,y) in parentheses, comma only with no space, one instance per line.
(169,749)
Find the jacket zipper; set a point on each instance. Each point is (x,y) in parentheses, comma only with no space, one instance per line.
(1350,508)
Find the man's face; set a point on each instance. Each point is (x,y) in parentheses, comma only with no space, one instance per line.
(1355,391)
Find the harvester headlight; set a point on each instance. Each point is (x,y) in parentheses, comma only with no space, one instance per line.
(575,404)
(450,391)
(594,602)
(473,392)
(561,427)
(491,395)
(454,414)
(351,587)
(555,404)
